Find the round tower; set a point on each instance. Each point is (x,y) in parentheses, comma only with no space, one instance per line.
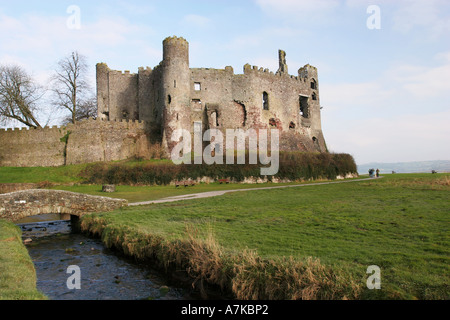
(175,88)
(102,71)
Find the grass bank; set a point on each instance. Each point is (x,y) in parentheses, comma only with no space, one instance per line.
(312,242)
(17,273)
(57,175)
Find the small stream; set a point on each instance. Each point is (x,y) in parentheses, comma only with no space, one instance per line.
(104,274)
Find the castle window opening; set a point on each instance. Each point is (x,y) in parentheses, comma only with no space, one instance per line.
(316,143)
(304,108)
(313,84)
(265,101)
(292,125)
(272,122)
(174,83)
(314,96)
(169,99)
(215,118)
(197,86)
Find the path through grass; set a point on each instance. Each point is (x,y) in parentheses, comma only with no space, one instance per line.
(399,223)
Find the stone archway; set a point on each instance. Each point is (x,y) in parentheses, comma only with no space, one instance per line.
(20,204)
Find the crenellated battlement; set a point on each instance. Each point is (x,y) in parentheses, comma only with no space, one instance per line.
(27,129)
(69,126)
(174,40)
(228,70)
(96,121)
(15,129)
(250,70)
(147,71)
(125,73)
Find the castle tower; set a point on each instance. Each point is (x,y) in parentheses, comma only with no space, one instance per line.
(309,73)
(282,62)
(175,88)
(102,91)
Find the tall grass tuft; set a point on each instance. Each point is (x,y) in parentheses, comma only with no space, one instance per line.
(244,275)
(290,279)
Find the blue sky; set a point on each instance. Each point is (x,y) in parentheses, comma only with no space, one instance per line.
(384,92)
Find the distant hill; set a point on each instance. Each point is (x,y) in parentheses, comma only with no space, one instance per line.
(407,167)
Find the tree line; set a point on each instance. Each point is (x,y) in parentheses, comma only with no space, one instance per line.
(20,94)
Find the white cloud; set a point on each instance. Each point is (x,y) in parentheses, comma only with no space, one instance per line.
(297,6)
(196,20)
(300,11)
(401,116)
(422,82)
(430,15)
(367,96)
(36,42)
(39,41)
(45,34)
(406,85)
(133,9)
(412,137)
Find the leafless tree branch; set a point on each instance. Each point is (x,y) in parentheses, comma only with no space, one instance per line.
(70,87)
(18,96)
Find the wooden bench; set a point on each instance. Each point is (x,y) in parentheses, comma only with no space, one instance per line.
(186,183)
(224,181)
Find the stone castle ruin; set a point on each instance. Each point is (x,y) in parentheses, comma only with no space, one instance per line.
(136,111)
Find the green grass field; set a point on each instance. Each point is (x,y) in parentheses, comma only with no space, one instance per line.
(399,223)
(17,273)
(148,193)
(57,175)
(67,174)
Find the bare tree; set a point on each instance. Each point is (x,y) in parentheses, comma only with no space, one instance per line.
(86,109)
(18,96)
(70,86)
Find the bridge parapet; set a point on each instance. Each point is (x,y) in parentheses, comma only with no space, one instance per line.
(20,204)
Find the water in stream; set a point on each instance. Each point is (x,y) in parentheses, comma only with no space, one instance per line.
(104,274)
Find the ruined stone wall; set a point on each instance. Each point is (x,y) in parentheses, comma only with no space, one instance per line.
(123,96)
(32,148)
(126,96)
(211,91)
(96,140)
(224,100)
(87,141)
(174,96)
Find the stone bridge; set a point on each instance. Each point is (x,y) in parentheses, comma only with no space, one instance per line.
(21,204)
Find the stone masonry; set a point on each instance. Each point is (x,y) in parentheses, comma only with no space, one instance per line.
(138,112)
(21,204)
(174,96)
